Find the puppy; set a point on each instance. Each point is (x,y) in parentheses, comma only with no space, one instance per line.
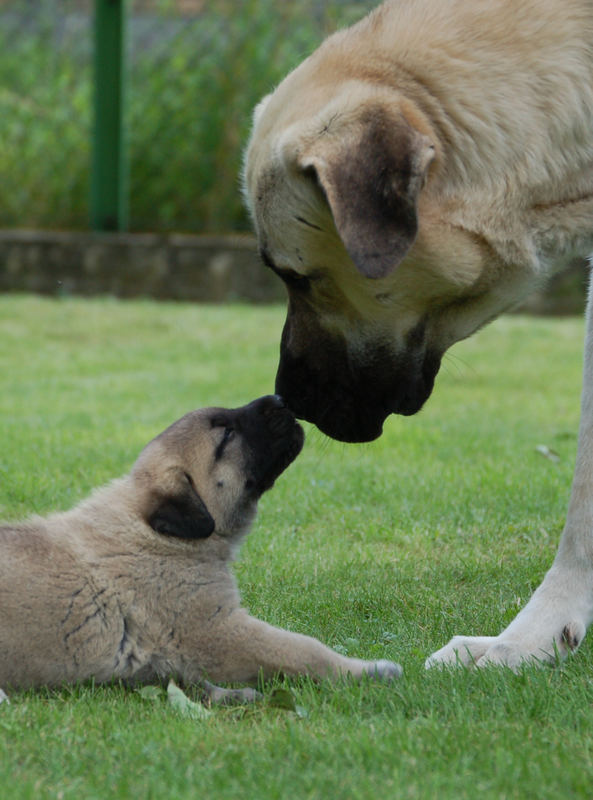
(134,583)
(420,173)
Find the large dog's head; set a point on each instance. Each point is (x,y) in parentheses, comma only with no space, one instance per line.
(348,182)
(205,473)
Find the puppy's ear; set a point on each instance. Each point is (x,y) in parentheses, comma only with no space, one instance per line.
(183,515)
(371,171)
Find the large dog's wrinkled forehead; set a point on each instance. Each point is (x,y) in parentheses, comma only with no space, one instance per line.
(324,205)
(349,164)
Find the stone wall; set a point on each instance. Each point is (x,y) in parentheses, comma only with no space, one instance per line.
(212,269)
(167,267)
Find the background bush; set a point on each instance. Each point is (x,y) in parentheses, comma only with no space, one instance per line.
(196,71)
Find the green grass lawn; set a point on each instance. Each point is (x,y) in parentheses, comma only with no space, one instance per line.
(445,525)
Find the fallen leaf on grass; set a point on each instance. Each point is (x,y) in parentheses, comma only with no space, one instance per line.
(186,707)
(547,452)
(284,698)
(152,693)
(350,644)
(180,702)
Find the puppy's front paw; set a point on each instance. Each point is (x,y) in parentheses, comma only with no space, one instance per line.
(384,670)
(226,697)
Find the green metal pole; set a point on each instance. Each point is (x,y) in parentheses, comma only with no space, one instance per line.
(109,178)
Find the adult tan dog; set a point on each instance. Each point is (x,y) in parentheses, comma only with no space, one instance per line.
(134,583)
(416,176)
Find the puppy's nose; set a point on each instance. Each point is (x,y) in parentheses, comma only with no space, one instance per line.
(276,415)
(271,402)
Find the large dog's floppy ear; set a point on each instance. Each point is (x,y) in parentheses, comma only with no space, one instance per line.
(371,172)
(183,515)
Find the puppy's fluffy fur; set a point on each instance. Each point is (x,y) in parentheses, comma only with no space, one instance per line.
(134,583)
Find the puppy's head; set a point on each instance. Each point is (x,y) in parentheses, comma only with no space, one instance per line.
(347,178)
(205,473)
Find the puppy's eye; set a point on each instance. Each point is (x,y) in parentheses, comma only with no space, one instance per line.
(227,436)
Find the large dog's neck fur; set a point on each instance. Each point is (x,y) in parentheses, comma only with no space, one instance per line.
(489,73)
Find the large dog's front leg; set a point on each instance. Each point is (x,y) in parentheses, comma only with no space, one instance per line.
(555,620)
(552,624)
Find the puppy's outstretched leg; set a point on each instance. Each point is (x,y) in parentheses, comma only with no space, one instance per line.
(250,647)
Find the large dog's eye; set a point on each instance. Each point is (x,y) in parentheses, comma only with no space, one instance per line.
(292,279)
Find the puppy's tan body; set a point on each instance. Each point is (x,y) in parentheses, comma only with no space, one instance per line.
(135,582)
(417,175)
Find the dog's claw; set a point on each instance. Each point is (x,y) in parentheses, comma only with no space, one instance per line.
(573,634)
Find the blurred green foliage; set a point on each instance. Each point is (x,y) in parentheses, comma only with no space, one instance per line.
(196,71)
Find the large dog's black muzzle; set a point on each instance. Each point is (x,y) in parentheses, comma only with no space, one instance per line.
(348,396)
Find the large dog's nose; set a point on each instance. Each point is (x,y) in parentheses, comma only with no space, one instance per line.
(349,400)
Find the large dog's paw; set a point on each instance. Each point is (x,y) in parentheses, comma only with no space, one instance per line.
(552,625)
(482,651)
(464,651)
